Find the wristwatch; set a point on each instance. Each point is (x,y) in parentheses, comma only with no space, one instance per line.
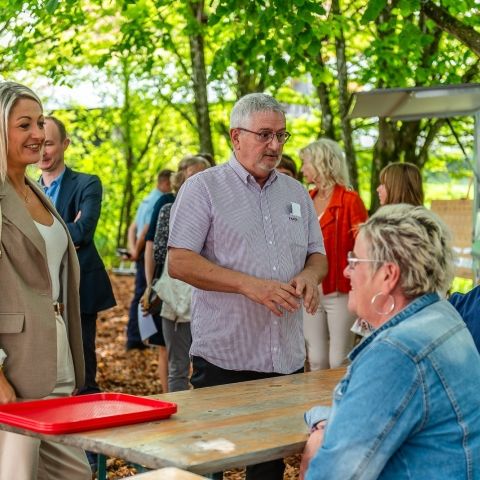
(3,357)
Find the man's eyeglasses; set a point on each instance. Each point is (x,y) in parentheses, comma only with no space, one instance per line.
(353,260)
(266,136)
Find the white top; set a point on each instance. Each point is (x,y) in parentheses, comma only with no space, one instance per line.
(56,242)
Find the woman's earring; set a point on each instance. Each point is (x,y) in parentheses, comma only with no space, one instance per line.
(388,302)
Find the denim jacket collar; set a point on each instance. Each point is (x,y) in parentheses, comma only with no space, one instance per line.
(408,311)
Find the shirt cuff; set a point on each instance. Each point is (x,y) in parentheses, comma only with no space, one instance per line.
(316,414)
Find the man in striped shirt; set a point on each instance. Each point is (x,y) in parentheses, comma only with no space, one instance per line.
(248,239)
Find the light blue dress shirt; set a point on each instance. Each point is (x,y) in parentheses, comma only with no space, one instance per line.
(53,190)
(145,209)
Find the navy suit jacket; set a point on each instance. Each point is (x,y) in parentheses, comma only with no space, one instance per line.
(83,192)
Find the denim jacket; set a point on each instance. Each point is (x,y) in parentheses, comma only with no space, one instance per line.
(409,405)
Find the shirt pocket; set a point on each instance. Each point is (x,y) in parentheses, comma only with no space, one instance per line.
(11,322)
(295,230)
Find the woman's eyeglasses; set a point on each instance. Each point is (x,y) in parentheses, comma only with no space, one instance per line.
(353,260)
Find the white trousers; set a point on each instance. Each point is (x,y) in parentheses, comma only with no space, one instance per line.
(27,458)
(328,338)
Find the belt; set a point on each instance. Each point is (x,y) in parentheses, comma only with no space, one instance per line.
(58,308)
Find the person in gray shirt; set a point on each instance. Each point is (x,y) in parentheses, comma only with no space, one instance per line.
(247,238)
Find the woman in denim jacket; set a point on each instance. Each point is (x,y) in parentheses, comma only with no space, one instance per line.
(409,405)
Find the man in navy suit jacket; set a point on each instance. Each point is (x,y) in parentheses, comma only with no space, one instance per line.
(78,199)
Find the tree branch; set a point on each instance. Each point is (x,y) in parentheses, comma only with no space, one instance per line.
(150,136)
(183,114)
(466,34)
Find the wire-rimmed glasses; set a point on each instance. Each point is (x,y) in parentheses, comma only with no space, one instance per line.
(266,136)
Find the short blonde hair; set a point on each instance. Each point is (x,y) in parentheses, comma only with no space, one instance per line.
(328,160)
(416,240)
(10,93)
(176,181)
(403,183)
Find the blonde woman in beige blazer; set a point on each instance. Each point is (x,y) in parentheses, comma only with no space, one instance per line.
(40,333)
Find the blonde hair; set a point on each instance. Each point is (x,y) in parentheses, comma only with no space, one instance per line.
(191,160)
(10,93)
(417,241)
(329,162)
(176,181)
(403,183)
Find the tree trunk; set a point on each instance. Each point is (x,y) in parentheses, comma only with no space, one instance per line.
(343,101)
(199,77)
(407,140)
(127,199)
(327,127)
(247,81)
(384,152)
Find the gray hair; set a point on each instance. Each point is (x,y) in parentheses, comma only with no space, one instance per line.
(251,104)
(191,160)
(10,93)
(417,241)
(329,162)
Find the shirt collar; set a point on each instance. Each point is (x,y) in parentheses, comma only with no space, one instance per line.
(412,308)
(57,180)
(245,175)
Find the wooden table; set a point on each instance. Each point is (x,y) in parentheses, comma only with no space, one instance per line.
(217,428)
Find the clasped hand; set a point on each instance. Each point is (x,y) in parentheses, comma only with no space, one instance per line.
(274,295)
(278,296)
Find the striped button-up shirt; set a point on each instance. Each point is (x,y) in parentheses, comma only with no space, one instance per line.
(224,215)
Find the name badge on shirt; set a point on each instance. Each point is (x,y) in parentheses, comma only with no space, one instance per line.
(295,211)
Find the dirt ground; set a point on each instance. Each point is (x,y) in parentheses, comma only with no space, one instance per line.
(134,372)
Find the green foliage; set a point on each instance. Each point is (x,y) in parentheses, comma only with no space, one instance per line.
(462,285)
(265,50)
(373,10)
(141,49)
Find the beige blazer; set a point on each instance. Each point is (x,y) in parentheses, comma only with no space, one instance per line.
(27,318)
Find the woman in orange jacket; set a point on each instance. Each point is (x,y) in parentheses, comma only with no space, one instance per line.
(340,210)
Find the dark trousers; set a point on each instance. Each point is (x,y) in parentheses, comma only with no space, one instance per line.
(133,333)
(89,331)
(206,374)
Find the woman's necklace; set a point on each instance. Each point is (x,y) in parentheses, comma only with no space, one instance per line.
(25,194)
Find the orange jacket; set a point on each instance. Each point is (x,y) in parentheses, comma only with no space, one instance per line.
(338,223)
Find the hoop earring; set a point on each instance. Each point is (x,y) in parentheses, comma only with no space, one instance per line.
(389,299)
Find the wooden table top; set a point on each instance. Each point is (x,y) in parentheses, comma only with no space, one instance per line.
(217,428)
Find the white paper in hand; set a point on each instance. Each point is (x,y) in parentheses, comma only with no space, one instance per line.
(146,325)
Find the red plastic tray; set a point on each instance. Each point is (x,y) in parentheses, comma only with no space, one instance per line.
(84,412)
